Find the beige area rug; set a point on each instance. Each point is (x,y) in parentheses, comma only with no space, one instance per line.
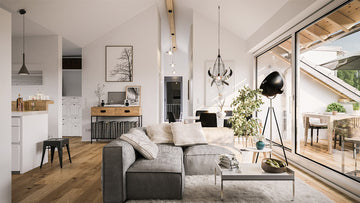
(201,189)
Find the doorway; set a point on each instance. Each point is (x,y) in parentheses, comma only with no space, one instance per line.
(173,98)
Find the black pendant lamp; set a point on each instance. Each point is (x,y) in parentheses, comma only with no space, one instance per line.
(23,70)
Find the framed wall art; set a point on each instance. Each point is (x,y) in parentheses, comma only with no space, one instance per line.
(118,63)
(133,95)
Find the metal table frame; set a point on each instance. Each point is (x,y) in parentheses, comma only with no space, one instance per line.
(236,175)
(97,119)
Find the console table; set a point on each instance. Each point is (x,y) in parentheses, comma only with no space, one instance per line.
(113,129)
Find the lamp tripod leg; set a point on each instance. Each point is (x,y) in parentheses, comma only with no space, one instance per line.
(267,114)
(282,144)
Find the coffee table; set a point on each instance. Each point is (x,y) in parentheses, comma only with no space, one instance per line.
(252,172)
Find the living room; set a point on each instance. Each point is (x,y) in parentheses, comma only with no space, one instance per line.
(255,39)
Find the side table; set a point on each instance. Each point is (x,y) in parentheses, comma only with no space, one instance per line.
(256,152)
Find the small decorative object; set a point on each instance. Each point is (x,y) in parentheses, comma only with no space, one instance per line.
(126,102)
(221,101)
(260,144)
(219,73)
(119,63)
(335,107)
(133,95)
(245,104)
(102,103)
(273,165)
(99,92)
(228,161)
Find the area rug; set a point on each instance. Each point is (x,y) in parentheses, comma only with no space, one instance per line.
(201,189)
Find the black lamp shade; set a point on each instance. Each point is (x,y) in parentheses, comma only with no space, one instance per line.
(272,84)
(23,70)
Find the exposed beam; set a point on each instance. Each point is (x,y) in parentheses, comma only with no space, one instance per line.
(313,34)
(335,22)
(171,17)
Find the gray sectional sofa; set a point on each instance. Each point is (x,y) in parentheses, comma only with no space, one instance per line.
(126,175)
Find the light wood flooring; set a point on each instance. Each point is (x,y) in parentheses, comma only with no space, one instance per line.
(80,181)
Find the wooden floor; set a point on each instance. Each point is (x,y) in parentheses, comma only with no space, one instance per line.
(80,181)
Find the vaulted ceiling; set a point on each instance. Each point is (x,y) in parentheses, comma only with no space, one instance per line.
(82,21)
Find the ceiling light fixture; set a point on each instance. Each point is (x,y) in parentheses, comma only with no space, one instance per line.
(219,73)
(23,70)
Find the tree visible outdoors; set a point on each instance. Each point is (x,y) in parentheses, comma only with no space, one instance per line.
(351,77)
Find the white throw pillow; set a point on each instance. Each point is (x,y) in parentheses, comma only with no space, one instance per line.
(138,139)
(222,136)
(160,133)
(187,134)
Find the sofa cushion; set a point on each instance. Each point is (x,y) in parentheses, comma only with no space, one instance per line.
(160,133)
(219,136)
(161,178)
(169,159)
(140,141)
(187,134)
(200,159)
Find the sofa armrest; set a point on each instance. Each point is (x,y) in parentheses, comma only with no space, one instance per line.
(117,157)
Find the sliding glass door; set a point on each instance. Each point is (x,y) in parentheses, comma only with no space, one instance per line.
(328,64)
(277,59)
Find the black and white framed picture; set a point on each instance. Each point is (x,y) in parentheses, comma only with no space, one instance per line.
(133,95)
(118,63)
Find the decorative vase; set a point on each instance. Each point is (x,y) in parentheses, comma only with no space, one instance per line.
(221,114)
(260,145)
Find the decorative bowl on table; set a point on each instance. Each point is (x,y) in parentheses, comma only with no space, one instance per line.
(273,165)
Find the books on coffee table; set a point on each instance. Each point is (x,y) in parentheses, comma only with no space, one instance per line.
(228,161)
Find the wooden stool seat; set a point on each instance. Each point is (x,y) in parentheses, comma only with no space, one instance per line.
(59,143)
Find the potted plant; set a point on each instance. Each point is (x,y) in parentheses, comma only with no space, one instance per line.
(244,105)
(335,107)
(356,108)
(99,92)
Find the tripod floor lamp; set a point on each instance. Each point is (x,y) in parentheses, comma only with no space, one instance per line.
(271,86)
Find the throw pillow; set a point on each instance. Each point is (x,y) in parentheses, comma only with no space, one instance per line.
(187,134)
(138,139)
(160,133)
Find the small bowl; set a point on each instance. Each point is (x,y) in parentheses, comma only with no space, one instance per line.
(269,169)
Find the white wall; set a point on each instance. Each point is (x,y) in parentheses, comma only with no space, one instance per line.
(143,33)
(205,49)
(42,53)
(5,106)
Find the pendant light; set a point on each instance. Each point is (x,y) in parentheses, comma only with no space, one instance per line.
(219,73)
(23,70)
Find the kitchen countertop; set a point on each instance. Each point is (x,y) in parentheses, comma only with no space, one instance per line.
(27,113)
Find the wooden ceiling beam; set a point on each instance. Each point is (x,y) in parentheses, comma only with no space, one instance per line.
(171,17)
(335,22)
(313,34)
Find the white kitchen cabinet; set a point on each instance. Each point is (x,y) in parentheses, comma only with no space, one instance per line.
(29,130)
(72,118)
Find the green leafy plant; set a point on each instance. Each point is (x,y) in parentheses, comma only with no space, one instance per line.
(356,106)
(335,107)
(244,105)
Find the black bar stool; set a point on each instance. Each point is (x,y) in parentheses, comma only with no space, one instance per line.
(56,142)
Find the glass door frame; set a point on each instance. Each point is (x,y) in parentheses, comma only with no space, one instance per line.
(256,77)
(326,174)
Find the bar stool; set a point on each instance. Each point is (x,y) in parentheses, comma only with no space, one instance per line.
(56,142)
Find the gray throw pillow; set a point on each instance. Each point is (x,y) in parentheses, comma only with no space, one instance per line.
(140,141)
